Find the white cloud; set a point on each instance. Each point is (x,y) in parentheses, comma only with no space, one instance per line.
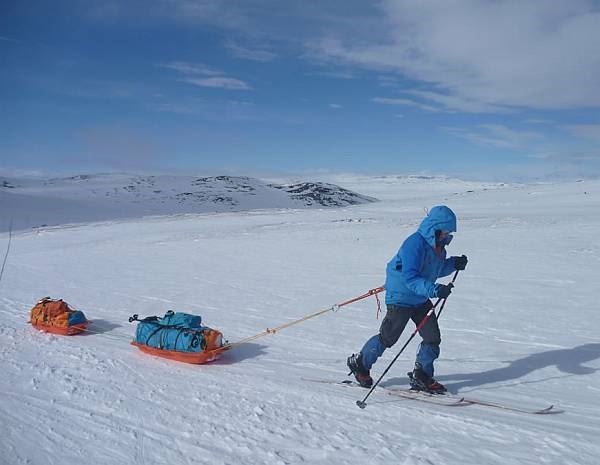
(481,55)
(340,74)
(406,102)
(244,53)
(214,78)
(222,82)
(335,106)
(500,136)
(185,67)
(463,55)
(436,102)
(457,102)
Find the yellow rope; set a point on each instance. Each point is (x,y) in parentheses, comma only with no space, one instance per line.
(278,328)
(333,308)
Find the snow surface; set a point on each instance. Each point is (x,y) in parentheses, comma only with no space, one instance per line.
(521,327)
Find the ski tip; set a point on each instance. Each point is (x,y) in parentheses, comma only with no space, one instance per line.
(361,404)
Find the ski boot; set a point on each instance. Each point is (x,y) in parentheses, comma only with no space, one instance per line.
(362,375)
(419,381)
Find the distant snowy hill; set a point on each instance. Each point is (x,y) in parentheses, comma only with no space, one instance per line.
(48,202)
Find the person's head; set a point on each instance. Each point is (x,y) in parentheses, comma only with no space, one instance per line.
(438,225)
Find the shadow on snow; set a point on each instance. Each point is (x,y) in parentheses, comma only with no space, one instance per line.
(568,361)
(241,352)
(98,326)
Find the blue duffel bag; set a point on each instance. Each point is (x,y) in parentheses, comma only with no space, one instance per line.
(176,331)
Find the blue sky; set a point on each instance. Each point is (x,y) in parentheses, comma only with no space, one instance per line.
(483,89)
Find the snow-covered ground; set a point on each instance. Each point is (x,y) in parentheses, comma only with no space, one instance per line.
(521,328)
(34,202)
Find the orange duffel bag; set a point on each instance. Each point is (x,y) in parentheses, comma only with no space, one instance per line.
(56,316)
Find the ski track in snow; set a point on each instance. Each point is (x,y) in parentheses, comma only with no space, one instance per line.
(521,327)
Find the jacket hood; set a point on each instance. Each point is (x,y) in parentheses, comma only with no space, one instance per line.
(439,218)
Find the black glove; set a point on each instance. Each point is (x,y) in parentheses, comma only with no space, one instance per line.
(460,263)
(443,290)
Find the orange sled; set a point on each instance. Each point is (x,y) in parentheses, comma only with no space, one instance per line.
(62,330)
(187,357)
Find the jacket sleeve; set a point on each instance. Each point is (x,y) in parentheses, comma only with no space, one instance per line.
(448,267)
(412,254)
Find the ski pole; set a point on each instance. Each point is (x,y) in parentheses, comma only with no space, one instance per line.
(7,247)
(437,317)
(363,403)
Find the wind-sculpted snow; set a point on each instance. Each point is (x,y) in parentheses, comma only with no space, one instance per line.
(101,197)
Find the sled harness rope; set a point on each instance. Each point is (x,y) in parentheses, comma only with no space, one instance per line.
(333,308)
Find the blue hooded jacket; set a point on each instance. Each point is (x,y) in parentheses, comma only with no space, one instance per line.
(411,274)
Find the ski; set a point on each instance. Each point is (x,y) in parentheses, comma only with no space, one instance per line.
(544,411)
(446,399)
(420,396)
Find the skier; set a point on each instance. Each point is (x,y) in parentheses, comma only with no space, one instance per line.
(410,283)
